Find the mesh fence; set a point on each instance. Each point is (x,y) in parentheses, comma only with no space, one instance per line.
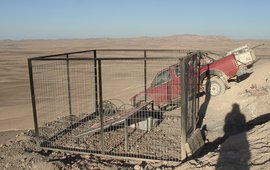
(117,103)
(191,89)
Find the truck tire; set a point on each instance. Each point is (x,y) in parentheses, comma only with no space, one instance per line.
(215,87)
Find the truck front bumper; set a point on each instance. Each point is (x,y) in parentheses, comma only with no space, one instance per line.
(243,72)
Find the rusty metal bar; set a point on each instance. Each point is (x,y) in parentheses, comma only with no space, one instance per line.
(126,135)
(194,83)
(145,78)
(183,107)
(136,158)
(96,81)
(101,106)
(69,89)
(32,89)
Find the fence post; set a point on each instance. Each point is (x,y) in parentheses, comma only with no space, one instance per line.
(69,89)
(145,89)
(33,101)
(101,106)
(96,81)
(194,86)
(198,62)
(145,78)
(126,135)
(183,88)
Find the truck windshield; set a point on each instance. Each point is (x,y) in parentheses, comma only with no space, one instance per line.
(177,70)
(161,78)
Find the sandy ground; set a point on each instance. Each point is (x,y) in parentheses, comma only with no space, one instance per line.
(16,111)
(7,135)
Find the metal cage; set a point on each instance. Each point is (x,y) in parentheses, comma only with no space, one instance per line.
(118,103)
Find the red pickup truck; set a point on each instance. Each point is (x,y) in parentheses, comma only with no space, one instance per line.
(213,76)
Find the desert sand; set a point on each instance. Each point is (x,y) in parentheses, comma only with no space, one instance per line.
(252,96)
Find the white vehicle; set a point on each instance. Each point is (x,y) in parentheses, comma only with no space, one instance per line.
(244,55)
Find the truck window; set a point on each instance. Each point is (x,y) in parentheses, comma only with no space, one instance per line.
(161,78)
(177,70)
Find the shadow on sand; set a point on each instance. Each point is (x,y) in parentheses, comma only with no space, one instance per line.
(234,153)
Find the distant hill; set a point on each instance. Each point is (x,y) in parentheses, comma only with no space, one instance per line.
(185,41)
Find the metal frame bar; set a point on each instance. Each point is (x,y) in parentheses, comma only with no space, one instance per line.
(145,78)
(126,134)
(198,83)
(69,88)
(107,50)
(32,89)
(129,156)
(101,106)
(194,82)
(185,78)
(109,58)
(61,54)
(96,80)
(154,50)
(183,108)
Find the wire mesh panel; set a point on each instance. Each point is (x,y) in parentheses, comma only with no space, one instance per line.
(135,128)
(189,104)
(64,92)
(118,103)
(51,95)
(192,89)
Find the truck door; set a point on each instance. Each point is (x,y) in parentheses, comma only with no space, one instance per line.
(160,87)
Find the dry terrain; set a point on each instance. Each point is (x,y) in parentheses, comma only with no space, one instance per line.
(244,148)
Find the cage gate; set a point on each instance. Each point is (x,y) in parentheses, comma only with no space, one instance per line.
(117,103)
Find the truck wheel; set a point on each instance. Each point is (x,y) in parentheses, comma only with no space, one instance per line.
(215,87)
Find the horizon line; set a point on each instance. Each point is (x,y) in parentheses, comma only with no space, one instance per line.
(134,37)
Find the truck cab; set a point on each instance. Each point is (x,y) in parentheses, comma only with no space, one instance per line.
(164,88)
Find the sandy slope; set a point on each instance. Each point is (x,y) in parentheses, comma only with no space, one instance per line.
(246,144)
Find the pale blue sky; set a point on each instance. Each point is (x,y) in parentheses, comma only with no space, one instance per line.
(53,19)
